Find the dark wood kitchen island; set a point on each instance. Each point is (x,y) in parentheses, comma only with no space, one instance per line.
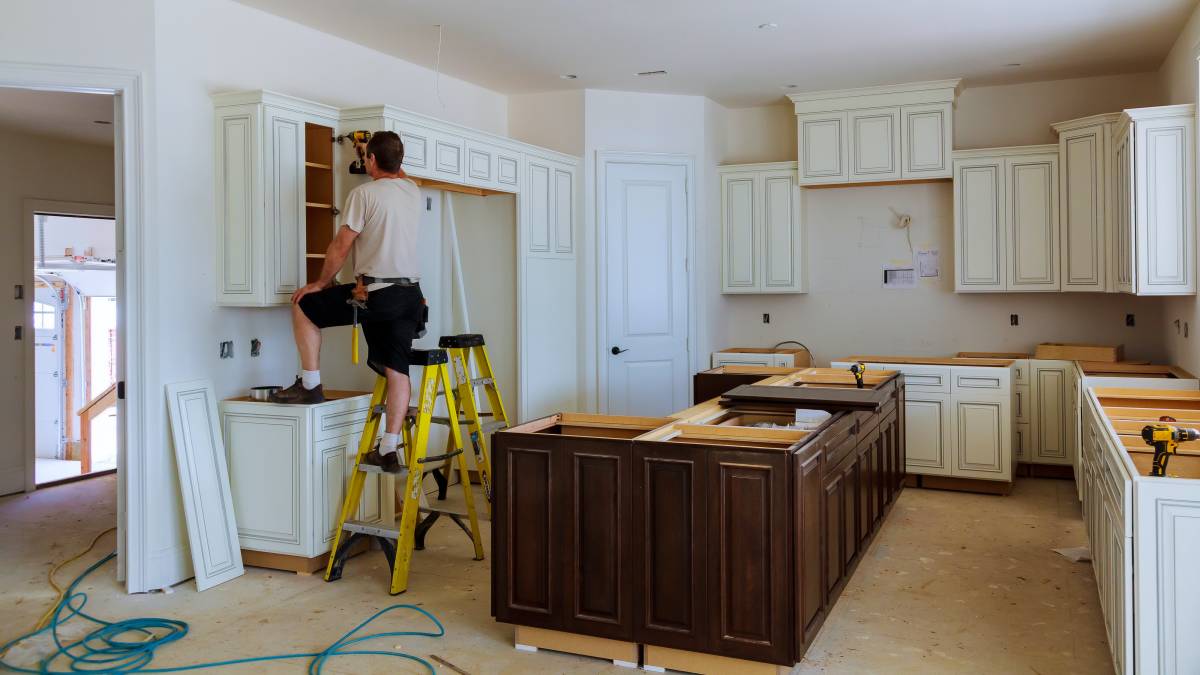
(692,541)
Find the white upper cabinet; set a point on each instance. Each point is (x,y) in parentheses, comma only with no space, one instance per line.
(1085,214)
(1154,233)
(876,134)
(1006,219)
(1128,201)
(762,248)
(261,204)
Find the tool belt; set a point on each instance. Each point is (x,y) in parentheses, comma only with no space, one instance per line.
(398,281)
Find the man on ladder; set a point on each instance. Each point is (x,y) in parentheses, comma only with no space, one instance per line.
(380,229)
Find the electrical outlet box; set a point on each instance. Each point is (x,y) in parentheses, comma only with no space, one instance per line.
(255,347)
(766,318)
(1129,320)
(1013,320)
(227,349)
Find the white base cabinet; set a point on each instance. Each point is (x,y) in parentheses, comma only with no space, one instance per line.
(288,467)
(1053,394)
(958,420)
(762,236)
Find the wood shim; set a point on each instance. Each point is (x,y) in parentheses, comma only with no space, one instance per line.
(204,483)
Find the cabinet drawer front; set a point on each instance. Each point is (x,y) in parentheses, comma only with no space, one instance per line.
(922,378)
(339,421)
(977,381)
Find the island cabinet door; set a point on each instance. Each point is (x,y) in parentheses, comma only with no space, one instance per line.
(598,573)
(809,541)
(749,570)
(670,540)
(527,541)
(838,456)
(869,451)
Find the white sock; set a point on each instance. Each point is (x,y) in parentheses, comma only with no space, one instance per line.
(388,445)
(310,378)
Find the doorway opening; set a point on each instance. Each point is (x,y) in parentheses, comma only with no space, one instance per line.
(75,344)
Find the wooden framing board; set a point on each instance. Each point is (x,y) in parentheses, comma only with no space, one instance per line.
(621,653)
(659,659)
(930,360)
(1132,369)
(295,563)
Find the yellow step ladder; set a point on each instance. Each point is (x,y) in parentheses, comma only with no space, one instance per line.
(397,540)
(465,350)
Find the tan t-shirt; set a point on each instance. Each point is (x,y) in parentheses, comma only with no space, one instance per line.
(386,214)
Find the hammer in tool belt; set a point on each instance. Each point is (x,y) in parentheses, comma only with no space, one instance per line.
(357,301)
(1166,439)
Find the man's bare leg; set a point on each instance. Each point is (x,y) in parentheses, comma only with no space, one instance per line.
(399,392)
(308,339)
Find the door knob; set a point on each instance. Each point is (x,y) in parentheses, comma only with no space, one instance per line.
(618,350)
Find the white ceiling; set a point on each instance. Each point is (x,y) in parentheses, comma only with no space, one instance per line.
(58,114)
(715,48)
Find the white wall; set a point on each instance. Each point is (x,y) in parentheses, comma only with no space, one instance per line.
(553,119)
(1178,80)
(61,233)
(850,237)
(34,167)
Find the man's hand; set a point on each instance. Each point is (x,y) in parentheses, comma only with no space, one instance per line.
(305,290)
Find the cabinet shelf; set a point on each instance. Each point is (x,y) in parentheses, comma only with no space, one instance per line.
(314,255)
(318,165)
(318,205)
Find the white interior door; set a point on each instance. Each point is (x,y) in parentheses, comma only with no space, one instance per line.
(644,252)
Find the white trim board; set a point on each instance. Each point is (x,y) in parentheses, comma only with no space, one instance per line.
(204,483)
(133,368)
(597,304)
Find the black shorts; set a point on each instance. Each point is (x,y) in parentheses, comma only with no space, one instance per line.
(390,322)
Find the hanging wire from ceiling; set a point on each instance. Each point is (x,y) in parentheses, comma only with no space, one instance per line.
(437,81)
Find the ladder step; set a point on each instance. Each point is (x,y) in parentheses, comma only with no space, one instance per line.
(371,529)
(482,380)
(488,427)
(482,516)
(371,468)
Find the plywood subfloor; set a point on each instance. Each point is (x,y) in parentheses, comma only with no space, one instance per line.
(953,583)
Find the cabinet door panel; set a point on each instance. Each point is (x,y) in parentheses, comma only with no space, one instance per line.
(748,550)
(599,580)
(740,256)
(1122,238)
(810,521)
(823,148)
(1165,210)
(834,531)
(983,448)
(927,426)
(874,144)
(257,446)
(539,211)
(1083,194)
(979,234)
(1051,443)
(1032,223)
(780,248)
(564,210)
(284,180)
(527,542)
(926,135)
(331,488)
(238,157)
(670,516)
(448,160)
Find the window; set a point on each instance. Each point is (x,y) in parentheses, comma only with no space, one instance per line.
(43,316)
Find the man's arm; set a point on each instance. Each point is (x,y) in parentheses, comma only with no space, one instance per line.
(335,257)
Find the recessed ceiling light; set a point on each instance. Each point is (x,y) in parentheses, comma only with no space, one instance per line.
(1011,65)
(770,25)
(644,73)
(101,122)
(568,76)
(789,86)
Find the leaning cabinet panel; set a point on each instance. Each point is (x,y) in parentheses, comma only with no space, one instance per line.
(762,242)
(876,134)
(1006,219)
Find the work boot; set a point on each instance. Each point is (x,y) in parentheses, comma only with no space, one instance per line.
(389,462)
(297,394)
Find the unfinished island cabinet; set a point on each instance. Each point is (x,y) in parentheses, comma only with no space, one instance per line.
(274,193)
(1154,226)
(1006,229)
(876,134)
(288,466)
(762,238)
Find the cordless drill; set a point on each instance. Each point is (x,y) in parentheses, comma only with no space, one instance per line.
(1166,439)
(859,369)
(359,140)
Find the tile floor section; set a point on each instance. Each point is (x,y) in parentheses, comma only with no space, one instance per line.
(953,583)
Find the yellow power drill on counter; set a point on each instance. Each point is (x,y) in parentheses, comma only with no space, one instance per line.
(1166,439)
(858,369)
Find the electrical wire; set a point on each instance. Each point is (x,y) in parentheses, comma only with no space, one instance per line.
(437,71)
(130,646)
(45,620)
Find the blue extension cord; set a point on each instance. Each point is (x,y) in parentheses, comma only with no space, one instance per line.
(129,646)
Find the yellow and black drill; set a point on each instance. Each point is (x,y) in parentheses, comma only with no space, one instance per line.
(1166,439)
(859,369)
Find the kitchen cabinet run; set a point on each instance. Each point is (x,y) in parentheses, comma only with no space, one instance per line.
(762,236)
(1006,228)
(876,134)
